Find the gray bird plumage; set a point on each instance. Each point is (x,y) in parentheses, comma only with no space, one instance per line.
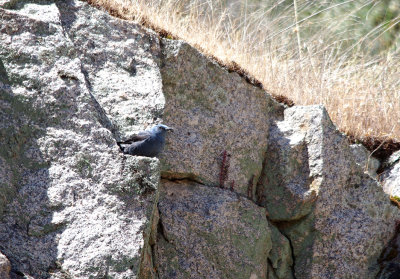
(148,143)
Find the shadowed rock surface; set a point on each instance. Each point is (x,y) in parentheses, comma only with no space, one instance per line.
(365,159)
(320,198)
(71,203)
(206,232)
(249,190)
(389,260)
(391,175)
(213,111)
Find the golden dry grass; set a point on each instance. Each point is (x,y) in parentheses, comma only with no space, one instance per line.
(361,92)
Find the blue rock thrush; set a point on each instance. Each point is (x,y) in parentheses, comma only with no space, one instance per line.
(148,143)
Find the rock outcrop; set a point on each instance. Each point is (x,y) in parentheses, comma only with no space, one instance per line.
(249,188)
(5,267)
(213,111)
(389,260)
(391,175)
(207,232)
(71,203)
(322,200)
(365,159)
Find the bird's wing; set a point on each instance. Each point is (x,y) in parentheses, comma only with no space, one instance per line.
(139,137)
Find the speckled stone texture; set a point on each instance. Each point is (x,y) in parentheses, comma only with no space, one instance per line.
(71,204)
(365,159)
(389,260)
(213,111)
(207,232)
(336,217)
(121,62)
(5,267)
(391,176)
(294,202)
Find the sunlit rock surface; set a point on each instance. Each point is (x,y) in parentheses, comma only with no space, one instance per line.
(249,189)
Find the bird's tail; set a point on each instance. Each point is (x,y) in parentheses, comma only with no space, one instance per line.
(122,146)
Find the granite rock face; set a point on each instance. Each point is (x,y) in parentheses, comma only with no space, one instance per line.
(213,111)
(389,260)
(207,232)
(249,189)
(5,267)
(72,206)
(391,176)
(337,218)
(121,64)
(365,159)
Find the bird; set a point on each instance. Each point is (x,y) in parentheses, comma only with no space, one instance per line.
(149,143)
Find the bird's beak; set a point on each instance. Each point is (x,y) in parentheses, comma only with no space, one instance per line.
(170,129)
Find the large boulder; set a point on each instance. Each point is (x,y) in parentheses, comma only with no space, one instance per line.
(71,204)
(337,218)
(207,232)
(218,116)
(120,61)
(249,190)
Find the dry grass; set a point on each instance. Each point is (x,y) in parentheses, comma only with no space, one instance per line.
(361,91)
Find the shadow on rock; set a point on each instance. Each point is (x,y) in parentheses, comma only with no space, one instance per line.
(28,231)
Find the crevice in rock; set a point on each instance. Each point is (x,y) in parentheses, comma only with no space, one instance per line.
(292,253)
(3,74)
(161,231)
(271,269)
(153,257)
(291,247)
(279,225)
(250,188)
(147,267)
(17,274)
(386,166)
(379,147)
(57,271)
(189,177)
(389,259)
(260,193)
(162,55)
(101,114)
